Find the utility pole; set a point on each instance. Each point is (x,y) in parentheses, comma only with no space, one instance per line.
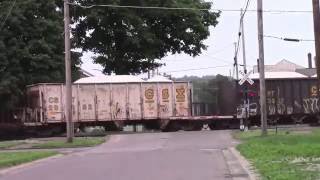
(68,86)
(316,19)
(246,104)
(236,61)
(263,103)
(243,44)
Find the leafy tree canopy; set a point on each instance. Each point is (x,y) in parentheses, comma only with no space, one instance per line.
(128,41)
(31,47)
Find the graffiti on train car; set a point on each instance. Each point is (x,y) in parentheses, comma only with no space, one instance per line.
(164,108)
(271,102)
(252,110)
(310,105)
(116,110)
(276,103)
(314,91)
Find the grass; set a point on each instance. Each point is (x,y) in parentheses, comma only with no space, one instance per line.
(284,155)
(77,142)
(9,144)
(8,159)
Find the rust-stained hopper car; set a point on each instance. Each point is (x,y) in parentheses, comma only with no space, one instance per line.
(114,101)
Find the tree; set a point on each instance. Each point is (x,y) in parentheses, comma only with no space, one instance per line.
(31,47)
(129,40)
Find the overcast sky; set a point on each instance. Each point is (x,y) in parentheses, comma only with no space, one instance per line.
(220,52)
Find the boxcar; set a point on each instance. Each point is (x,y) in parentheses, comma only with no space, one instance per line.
(290,100)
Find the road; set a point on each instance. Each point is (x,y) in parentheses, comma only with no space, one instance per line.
(199,155)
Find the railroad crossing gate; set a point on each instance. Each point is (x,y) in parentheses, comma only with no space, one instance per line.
(245,78)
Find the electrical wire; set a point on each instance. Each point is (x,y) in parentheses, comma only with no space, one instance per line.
(245,9)
(183,70)
(183,8)
(194,60)
(239,33)
(288,39)
(8,14)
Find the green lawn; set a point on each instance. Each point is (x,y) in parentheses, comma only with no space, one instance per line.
(284,155)
(77,142)
(8,144)
(8,159)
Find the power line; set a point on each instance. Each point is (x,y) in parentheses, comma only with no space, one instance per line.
(217,59)
(8,14)
(208,55)
(183,70)
(245,9)
(240,25)
(239,32)
(184,8)
(288,39)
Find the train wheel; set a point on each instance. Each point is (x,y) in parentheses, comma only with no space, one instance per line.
(191,126)
(212,126)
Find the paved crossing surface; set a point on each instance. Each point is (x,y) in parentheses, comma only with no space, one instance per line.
(202,155)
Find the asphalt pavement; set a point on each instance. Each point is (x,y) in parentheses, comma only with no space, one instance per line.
(202,155)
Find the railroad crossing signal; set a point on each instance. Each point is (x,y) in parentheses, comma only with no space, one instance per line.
(245,78)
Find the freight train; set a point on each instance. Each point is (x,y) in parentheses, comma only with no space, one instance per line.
(116,101)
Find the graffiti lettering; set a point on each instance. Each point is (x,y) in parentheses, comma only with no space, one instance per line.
(281,107)
(164,108)
(297,104)
(116,110)
(252,110)
(271,102)
(289,110)
(314,91)
(310,105)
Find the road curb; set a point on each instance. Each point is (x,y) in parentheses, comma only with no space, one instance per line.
(28,164)
(247,167)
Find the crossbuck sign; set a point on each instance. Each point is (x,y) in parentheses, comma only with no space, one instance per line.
(245,78)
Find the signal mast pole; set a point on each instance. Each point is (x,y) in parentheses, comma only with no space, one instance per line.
(68,85)
(246,103)
(263,103)
(316,19)
(236,61)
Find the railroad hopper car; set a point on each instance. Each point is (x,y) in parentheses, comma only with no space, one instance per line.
(292,98)
(112,104)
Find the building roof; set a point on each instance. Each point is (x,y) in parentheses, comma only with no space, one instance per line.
(307,71)
(84,73)
(282,66)
(279,75)
(159,79)
(109,79)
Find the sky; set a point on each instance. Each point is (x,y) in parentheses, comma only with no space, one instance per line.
(218,58)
